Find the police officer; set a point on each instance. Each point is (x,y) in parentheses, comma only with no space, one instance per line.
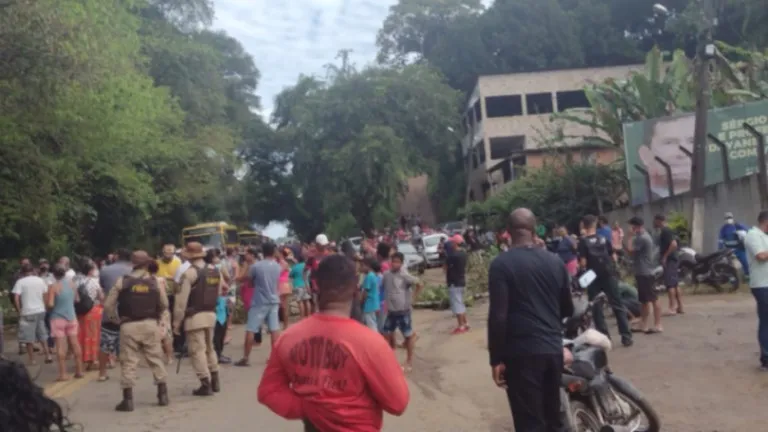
(196,306)
(135,302)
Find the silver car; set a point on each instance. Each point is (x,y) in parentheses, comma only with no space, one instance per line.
(414,260)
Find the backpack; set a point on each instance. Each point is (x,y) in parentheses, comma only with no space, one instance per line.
(85,303)
(598,258)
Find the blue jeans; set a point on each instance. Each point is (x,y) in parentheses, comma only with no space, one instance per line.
(761,298)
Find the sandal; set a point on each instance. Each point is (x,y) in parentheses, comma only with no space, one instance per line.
(79,376)
(652,331)
(406,368)
(243,363)
(49,360)
(103,378)
(638,330)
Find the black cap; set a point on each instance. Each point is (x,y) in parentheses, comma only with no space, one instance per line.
(636,221)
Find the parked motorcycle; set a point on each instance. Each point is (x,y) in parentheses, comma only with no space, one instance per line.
(594,399)
(715,269)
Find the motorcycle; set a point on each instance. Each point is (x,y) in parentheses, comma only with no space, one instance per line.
(594,399)
(715,269)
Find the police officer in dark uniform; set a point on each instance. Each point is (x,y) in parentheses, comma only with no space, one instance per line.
(596,254)
(135,302)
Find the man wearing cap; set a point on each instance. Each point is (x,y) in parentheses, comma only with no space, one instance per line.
(136,303)
(196,307)
(322,250)
(732,235)
(455,277)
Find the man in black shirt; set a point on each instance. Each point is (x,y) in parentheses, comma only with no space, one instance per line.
(596,254)
(529,297)
(669,261)
(455,278)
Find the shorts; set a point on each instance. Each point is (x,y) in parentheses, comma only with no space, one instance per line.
(369,319)
(301,294)
(258,315)
(32,328)
(398,321)
(456,298)
(671,275)
(646,290)
(61,327)
(109,343)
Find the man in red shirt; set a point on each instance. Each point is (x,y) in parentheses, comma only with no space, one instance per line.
(331,371)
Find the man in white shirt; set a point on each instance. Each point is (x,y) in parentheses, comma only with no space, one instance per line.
(28,296)
(756,244)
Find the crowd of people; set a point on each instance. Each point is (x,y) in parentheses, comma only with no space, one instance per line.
(333,366)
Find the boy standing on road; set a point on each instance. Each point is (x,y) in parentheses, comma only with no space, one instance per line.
(400,288)
(370,290)
(640,247)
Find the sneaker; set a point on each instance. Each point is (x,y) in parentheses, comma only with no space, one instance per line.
(225,360)
(627,342)
(459,330)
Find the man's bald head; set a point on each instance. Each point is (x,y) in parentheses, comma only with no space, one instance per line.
(522,219)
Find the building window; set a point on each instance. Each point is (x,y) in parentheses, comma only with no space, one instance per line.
(481,152)
(518,166)
(478,112)
(503,106)
(571,99)
(539,103)
(502,147)
(589,157)
(486,189)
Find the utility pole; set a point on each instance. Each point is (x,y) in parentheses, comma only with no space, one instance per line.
(698,168)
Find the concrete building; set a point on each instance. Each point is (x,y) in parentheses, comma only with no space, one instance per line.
(507,115)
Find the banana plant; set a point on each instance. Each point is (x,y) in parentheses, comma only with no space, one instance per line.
(659,90)
(743,75)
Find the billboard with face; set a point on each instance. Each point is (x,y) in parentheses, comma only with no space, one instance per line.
(671,140)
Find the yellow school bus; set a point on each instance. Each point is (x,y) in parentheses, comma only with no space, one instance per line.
(220,235)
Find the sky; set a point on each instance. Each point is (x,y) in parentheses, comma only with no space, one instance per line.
(296,37)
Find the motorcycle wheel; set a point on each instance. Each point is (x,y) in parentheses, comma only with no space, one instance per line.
(584,420)
(631,395)
(685,273)
(726,275)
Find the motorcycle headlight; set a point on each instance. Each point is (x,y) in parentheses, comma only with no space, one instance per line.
(583,369)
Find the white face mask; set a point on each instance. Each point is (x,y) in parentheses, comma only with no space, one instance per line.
(730,221)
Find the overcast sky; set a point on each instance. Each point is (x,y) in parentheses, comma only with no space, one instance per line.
(294,37)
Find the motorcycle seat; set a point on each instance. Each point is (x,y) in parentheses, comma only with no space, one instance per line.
(703,258)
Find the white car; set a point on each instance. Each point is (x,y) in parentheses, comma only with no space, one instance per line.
(356,243)
(414,261)
(429,246)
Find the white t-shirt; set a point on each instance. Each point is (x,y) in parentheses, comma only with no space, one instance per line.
(180,271)
(70,274)
(756,241)
(32,290)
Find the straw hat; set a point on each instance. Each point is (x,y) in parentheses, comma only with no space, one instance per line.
(194,250)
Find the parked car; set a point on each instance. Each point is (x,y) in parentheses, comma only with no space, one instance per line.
(451,228)
(356,242)
(414,260)
(429,247)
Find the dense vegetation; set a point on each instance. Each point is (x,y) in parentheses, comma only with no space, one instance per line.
(122,121)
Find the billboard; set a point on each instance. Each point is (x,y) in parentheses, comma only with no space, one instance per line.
(671,140)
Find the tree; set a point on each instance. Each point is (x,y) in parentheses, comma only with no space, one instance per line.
(385,124)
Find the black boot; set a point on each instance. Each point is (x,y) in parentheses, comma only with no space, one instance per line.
(204,389)
(162,394)
(215,383)
(127,404)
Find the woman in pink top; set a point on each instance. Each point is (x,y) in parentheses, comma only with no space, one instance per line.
(285,287)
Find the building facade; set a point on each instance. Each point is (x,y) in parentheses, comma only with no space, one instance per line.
(508,116)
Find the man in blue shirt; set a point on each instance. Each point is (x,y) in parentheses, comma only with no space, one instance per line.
(730,238)
(604,228)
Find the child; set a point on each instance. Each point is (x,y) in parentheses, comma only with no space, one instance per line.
(220,331)
(370,292)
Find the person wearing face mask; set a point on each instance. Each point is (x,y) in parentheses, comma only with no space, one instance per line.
(732,237)
(756,242)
